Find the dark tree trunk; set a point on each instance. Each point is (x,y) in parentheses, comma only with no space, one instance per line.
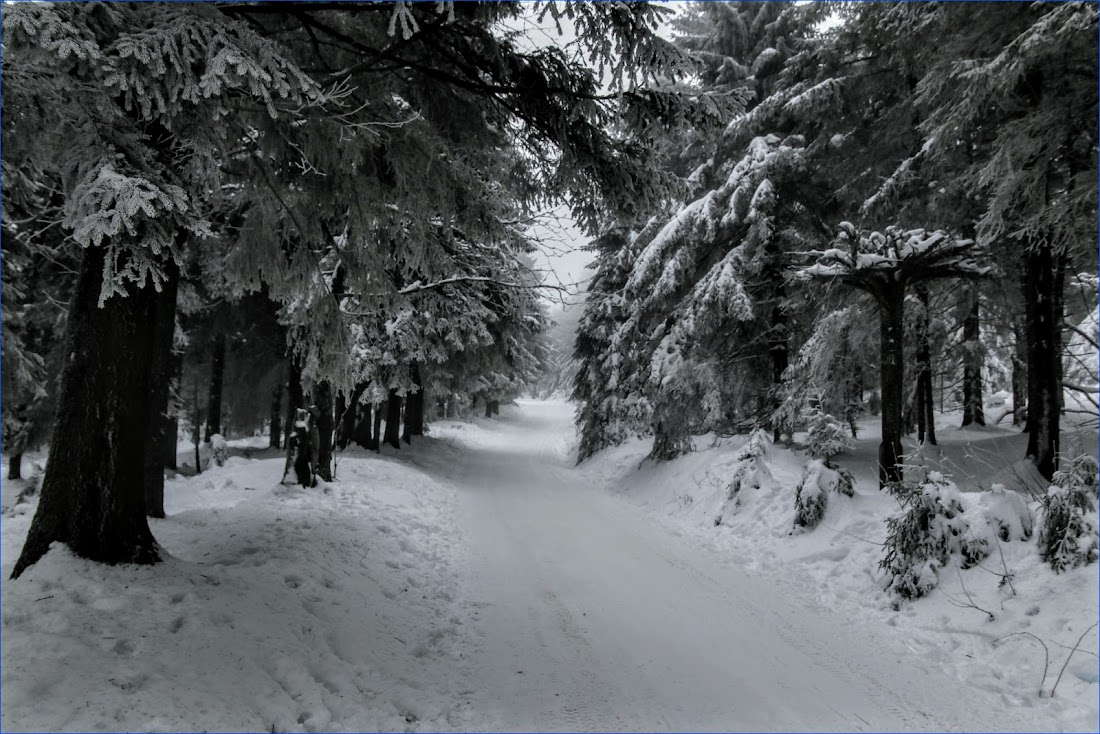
(414,407)
(352,421)
(891,301)
(322,398)
(406,436)
(217,375)
(171,432)
(163,324)
(276,418)
(496,407)
(779,352)
(340,411)
(926,424)
(93,492)
(1019,370)
(376,436)
(15,466)
(197,424)
(295,399)
(488,408)
(393,420)
(973,412)
(1045,273)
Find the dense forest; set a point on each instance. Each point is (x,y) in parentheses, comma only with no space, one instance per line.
(236,218)
(925,171)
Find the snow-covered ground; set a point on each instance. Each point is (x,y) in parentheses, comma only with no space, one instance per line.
(278,608)
(480,581)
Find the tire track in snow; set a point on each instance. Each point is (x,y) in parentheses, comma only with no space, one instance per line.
(637,629)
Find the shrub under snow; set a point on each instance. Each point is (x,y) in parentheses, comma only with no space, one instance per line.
(825,435)
(921,540)
(750,472)
(219,449)
(750,463)
(1068,535)
(811,497)
(1007,513)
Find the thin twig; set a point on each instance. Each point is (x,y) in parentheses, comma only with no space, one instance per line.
(1046,655)
(1063,670)
(845,532)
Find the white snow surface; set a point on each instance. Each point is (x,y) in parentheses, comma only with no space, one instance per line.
(481,581)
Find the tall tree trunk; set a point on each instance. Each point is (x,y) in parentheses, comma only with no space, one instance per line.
(93,492)
(295,399)
(171,431)
(339,412)
(1045,271)
(406,434)
(393,420)
(779,352)
(488,408)
(15,466)
(376,438)
(351,418)
(196,423)
(1019,369)
(926,424)
(163,324)
(217,376)
(973,412)
(322,398)
(891,301)
(414,406)
(275,428)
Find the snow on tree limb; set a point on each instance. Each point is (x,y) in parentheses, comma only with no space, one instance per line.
(864,259)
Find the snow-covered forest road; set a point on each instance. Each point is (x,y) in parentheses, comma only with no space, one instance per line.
(480,581)
(594,617)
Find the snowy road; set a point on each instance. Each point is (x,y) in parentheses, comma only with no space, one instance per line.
(593,617)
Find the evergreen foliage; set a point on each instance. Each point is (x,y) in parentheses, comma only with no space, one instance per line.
(1068,533)
(825,435)
(930,532)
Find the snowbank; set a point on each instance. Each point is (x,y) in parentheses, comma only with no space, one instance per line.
(835,566)
(277,609)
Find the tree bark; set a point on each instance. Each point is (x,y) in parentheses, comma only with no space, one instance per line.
(926,424)
(973,412)
(488,408)
(414,407)
(1045,273)
(175,388)
(295,399)
(393,420)
(15,466)
(217,376)
(351,419)
(163,324)
(891,301)
(322,398)
(93,497)
(339,412)
(1019,369)
(275,428)
(196,424)
(376,438)
(779,352)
